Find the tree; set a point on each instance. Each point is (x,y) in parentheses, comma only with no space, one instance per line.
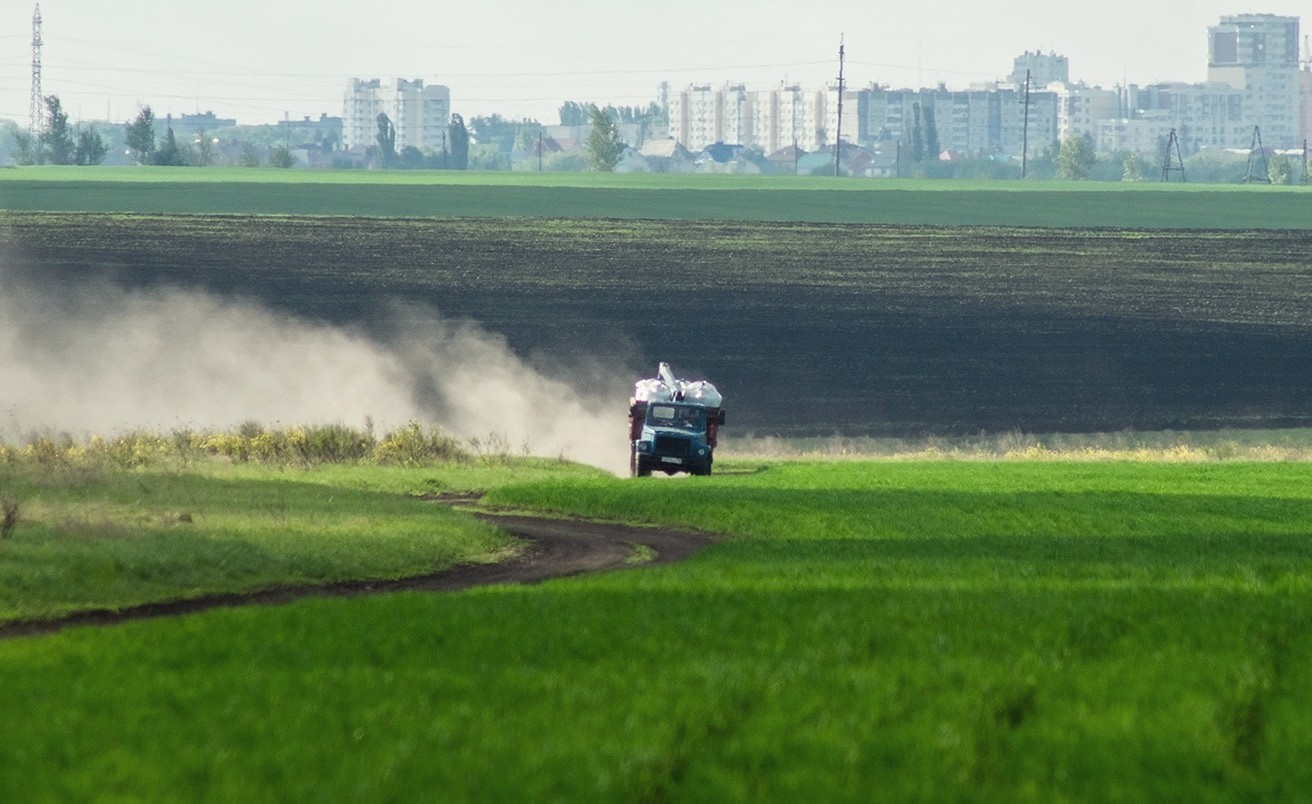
(250,156)
(459,143)
(932,149)
(917,139)
(140,136)
(488,157)
(410,158)
(604,144)
(91,148)
(1279,169)
(203,154)
(1132,168)
(499,131)
(281,157)
(27,151)
(57,142)
(386,140)
(574,114)
(1075,158)
(169,154)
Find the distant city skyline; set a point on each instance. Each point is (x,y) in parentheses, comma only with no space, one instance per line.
(258,62)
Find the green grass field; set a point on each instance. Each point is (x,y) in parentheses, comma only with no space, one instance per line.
(667,197)
(867,630)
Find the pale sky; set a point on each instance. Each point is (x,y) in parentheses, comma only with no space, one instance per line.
(258,60)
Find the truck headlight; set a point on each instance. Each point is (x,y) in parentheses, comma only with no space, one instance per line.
(702,451)
(644,446)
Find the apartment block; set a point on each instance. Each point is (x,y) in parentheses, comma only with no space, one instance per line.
(702,115)
(1042,69)
(420,114)
(988,120)
(783,116)
(1258,54)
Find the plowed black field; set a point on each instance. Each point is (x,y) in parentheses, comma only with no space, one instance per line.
(810,329)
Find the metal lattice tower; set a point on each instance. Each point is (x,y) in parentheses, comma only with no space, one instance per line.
(36,115)
(1256,154)
(1174,162)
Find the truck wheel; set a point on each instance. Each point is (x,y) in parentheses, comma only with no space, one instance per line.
(644,468)
(702,470)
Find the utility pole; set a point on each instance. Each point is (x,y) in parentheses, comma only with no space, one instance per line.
(444,150)
(37,113)
(838,137)
(1025,131)
(539,151)
(1305,160)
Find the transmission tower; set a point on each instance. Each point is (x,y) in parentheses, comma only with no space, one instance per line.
(838,137)
(1174,162)
(1259,151)
(36,114)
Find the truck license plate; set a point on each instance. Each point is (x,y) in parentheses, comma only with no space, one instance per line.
(671,460)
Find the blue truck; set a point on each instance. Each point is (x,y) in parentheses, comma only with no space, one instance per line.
(673,425)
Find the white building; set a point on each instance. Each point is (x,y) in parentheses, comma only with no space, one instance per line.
(768,119)
(1211,115)
(986,120)
(1079,108)
(1145,135)
(781,118)
(420,114)
(1042,70)
(1258,54)
(696,115)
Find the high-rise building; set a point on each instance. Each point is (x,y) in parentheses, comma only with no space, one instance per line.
(1043,69)
(988,120)
(1258,54)
(783,116)
(732,114)
(420,114)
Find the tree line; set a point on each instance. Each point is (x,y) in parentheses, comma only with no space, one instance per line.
(57,143)
(495,137)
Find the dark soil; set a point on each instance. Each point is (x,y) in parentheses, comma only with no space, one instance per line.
(556,548)
(809,329)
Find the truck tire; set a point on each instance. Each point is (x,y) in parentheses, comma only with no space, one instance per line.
(644,468)
(704,470)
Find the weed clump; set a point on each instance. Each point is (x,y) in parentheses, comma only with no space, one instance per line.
(307,446)
(9,505)
(415,444)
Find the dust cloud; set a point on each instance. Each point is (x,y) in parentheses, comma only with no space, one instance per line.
(104,359)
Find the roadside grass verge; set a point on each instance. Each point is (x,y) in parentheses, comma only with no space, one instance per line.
(90,538)
(938,630)
(1284,445)
(142,517)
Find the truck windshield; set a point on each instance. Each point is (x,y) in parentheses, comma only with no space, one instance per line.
(683,417)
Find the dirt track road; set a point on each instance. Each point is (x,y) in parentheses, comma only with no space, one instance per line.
(557,548)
